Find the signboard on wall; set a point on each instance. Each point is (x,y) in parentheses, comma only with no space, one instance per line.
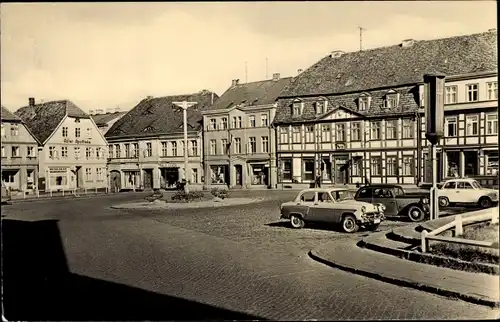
(69,141)
(58,170)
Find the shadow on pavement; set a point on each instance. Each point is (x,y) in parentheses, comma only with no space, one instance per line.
(37,285)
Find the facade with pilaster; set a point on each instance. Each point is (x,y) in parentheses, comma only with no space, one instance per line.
(355,117)
(239,142)
(146,146)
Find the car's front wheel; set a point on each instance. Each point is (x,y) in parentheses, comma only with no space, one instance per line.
(349,224)
(443,201)
(416,213)
(485,202)
(297,221)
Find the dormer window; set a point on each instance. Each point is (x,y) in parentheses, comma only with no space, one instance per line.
(297,108)
(364,102)
(213,124)
(391,100)
(321,106)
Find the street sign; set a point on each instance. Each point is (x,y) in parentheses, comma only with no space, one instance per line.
(434,107)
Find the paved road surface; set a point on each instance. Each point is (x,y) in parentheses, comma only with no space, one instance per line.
(236,258)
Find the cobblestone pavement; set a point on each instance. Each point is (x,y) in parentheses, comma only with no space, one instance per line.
(240,258)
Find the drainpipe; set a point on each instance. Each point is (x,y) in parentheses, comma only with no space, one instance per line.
(419,147)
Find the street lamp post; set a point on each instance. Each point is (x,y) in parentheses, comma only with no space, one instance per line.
(185,105)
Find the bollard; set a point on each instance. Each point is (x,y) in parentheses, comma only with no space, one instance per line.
(63,192)
(50,192)
(494,216)
(459,229)
(85,190)
(95,190)
(24,194)
(37,193)
(425,241)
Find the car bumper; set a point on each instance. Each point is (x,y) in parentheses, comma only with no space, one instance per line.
(371,219)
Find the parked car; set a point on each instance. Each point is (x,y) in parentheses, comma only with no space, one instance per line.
(5,193)
(466,191)
(332,205)
(397,202)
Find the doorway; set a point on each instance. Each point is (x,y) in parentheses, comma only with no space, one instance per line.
(148,178)
(341,169)
(78,176)
(115,178)
(239,174)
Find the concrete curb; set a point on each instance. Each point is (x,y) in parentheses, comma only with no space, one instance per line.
(58,198)
(187,205)
(408,283)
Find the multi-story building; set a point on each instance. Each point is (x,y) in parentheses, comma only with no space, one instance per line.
(239,143)
(72,152)
(355,117)
(146,146)
(19,153)
(105,120)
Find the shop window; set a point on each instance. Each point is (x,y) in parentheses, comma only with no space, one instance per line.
(453,162)
(491,162)
(326,168)
(259,175)
(309,169)
(286,169)
(218,174)
(391,165)
(471,163)
(59,181)
(376,163)
(9,176)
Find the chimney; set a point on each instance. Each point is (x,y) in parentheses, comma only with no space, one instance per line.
(407,43)
(276,76)
(336,54)
(31,101)
(211,98)
(91,112)
(236,82)
(149,97)
(117,109)
(299,71)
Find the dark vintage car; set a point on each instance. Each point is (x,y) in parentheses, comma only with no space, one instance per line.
(397,202)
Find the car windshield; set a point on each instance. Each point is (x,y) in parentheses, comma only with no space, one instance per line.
(342,195)
(476,184)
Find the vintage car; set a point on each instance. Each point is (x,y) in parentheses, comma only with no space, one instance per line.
(332,205)
(466,191)
(397,201)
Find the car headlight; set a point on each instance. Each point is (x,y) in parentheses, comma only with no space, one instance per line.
(382,207)
(425,201)
(363,209)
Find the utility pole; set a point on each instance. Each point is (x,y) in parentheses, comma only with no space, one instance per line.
(361,38)
(246,73)
(185,105)
(266,68)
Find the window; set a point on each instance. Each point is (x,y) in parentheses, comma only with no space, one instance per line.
(52,152)
(286,169)
(135,149)
(194,175)
(194,147)
(375,130)
(356,131)
(491,162)
(308,169)
(492,124)
(283,134)
(236,122)
(326,133)
(364,103)
(87,153)
(89,133)
(182,150)
(174,148)
(149,149)
(237,145)
(451,126)
(77,120)
(251,120)
(492,90)
(3,131)
(110,151)
(99,173)
(391,129)
(321,107)
(472,124)
(218,174)
(98,153)
(9,176)
(376,163)
(296,108)
(252,145)
(408,129)
(224,147)
(472,94)
(64,151)
(296,134)
(263,120)
(391,165)
(408,165)
(357,167)
(88,174)
(450,95)
(340,131)
(365,193)
(65,132)
(77,132)
(212,124)
(3,152)
(127,150)
(14,130)
(391,101)
(265,144)
(309,133)
(308,196)
(450,185)
(463,185)
(164,149)
(77,152)
(213,147)
(31,151)
(223,123)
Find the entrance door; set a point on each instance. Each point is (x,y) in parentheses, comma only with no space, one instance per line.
(341,168)
(148,178)
(79,177)
(115,178)
(239,174)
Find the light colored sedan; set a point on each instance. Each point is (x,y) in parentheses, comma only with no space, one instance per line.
(332,205)
(466,191)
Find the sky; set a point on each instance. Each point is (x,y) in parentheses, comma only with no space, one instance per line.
(108,55)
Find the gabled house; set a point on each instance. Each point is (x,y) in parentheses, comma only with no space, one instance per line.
(19,153)
(105,120)
(239,143)
(359,116)
(146,146)
(72,151)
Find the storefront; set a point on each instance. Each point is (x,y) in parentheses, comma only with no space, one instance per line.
(59,178)
(169,176)
(219,174)
(259,173)
(131,179)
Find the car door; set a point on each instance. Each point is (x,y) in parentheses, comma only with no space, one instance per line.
(465,193)
(386,197)
(364,194)
(305,204)
(322,210)
(448,190)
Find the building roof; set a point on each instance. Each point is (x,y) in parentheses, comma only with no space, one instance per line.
(397,65)
(42,119)
(104,118)
(159,116)
(251,94)
(8,116)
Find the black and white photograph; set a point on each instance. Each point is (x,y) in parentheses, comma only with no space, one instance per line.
(249,160)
